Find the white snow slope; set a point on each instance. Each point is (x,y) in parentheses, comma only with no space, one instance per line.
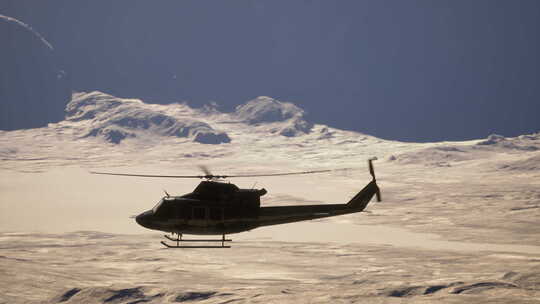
(458,222)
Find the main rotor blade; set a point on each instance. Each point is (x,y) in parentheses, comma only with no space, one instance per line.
(287,173)
(211,176)
(149,175)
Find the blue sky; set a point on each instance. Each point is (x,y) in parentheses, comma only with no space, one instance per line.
(406,70)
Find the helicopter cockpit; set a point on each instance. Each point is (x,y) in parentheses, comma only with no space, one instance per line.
(161,203)
(157,206)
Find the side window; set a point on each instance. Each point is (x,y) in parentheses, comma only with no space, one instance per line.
(178,211)
(199,213)
(186,212)
(216,214)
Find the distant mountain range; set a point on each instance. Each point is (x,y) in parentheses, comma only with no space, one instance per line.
(115,119)
(101,129)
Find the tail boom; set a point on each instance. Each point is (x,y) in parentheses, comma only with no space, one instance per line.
(361,200)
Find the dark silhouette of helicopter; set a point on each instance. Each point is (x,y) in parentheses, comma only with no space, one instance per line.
(219,208)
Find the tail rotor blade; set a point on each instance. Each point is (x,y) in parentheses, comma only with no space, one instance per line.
(371,170)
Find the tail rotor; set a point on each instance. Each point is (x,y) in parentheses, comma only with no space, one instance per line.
(372,172)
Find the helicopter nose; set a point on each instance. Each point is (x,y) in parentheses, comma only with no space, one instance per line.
(143,218)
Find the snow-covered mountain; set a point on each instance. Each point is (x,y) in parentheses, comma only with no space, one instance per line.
(101,127)
(478,199)
(453,152)
(263,109)
(115,119)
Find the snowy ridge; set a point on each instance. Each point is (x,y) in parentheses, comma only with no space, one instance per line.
(265,109)
(287,117)
(446,154)
(523,143)
(116,119)
(100,128)
(528,164)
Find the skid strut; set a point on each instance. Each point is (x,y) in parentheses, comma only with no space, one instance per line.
(179,240)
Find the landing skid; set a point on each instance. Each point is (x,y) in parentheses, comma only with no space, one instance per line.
(179,240)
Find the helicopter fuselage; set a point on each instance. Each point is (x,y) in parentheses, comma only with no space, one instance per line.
(216,208)
(219,208)
(189,216)
(212,208)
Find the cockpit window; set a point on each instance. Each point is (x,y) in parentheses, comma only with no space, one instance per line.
(157,205)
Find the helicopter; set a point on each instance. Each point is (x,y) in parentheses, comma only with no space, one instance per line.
(219,208)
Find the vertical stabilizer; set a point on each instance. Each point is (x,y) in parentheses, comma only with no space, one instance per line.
(361,200)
